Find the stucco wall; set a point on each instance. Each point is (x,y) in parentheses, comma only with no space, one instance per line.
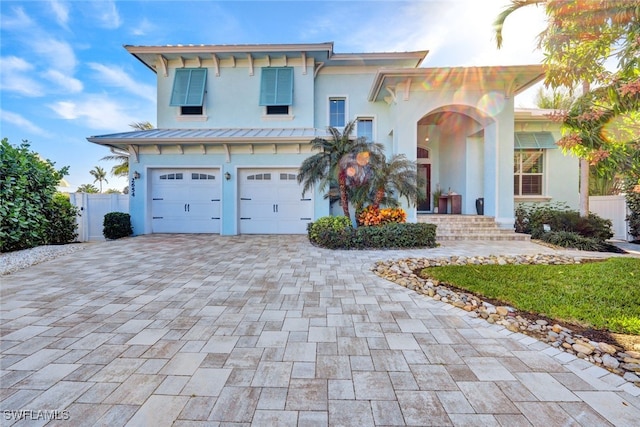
(231,100)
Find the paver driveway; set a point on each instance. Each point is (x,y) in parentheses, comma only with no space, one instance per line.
(268,330)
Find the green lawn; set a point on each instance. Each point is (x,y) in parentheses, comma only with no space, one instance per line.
(602,295)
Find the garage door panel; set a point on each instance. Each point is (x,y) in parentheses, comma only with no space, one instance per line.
(186,201)
(271,201)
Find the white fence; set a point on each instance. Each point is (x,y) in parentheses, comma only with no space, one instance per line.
(615,209)
(93,208)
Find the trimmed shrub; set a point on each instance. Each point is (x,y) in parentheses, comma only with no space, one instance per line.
(117,225)
(335,224)
(531,220)
(338,234)
(569,239)
(372,216)
(62,220)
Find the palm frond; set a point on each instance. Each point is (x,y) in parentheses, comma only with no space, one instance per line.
(498,24)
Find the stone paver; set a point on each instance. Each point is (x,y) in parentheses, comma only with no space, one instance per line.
(269,330)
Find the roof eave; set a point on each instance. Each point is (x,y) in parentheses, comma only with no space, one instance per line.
(316,47)
(536,70)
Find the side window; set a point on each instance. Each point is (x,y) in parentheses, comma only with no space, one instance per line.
(365,128)
(337,112)
(528,172)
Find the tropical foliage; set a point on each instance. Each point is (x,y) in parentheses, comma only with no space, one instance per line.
(372,215)
(30,213)
(357,172)
(87,188)
(100,175)
(340,159)
(602,127)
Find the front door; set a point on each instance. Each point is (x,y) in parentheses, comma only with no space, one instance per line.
(424,180)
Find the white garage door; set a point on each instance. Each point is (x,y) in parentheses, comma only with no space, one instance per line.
(271,202)
(185,201)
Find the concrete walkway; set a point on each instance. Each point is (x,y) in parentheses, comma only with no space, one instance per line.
(267,330)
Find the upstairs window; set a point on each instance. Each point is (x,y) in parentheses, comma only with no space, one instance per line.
(365,129)
(276,89)
(273,110)
(188,90)
(337,112)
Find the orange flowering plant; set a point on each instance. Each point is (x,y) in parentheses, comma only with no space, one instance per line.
(375,216)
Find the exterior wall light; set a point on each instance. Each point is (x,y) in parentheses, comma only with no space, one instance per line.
(227,176)
(136,175)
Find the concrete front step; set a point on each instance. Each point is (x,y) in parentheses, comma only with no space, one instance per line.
(470,227)
(519,237)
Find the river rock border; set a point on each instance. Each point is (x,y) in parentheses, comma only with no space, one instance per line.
(625,363)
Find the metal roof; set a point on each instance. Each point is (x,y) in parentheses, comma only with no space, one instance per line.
(204,136)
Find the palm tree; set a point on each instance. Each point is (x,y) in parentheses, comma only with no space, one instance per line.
(339,159)
(100,175)
(122,157)
(399,176)
(87,188)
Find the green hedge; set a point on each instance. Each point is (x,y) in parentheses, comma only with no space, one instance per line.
(62,216)
(337,233)
(117,225)
(530,219)
(31,214)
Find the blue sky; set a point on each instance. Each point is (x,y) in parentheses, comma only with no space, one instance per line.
(64,74)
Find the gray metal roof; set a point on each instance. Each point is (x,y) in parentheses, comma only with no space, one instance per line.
(204,136)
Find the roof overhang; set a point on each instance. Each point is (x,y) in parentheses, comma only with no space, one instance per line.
(320,52)
(510,80)
(218,136)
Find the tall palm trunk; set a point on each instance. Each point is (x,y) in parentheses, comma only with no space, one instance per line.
(378,198)
(342,184)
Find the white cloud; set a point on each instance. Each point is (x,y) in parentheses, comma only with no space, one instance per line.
(107,14)
(61,11)
(18,120)
(59,54)
(96,112)
(65,82)
(116,76)
(15,77)
(19,20)
(144,27)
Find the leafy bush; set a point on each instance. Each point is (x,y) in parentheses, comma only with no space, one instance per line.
(62,220)
(632,196)
(117,225)
(338,234)
(530,219)
(27,186)
(372,216)
(336,224)
(570,239)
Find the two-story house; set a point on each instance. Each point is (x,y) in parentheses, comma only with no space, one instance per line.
(235,121)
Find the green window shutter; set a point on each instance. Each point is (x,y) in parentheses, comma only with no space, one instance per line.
(276,86)
(188,87)
(533,140)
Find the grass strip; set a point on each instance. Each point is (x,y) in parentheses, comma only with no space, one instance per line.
(601,295)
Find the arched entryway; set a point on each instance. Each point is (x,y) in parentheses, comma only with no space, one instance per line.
(450,154)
